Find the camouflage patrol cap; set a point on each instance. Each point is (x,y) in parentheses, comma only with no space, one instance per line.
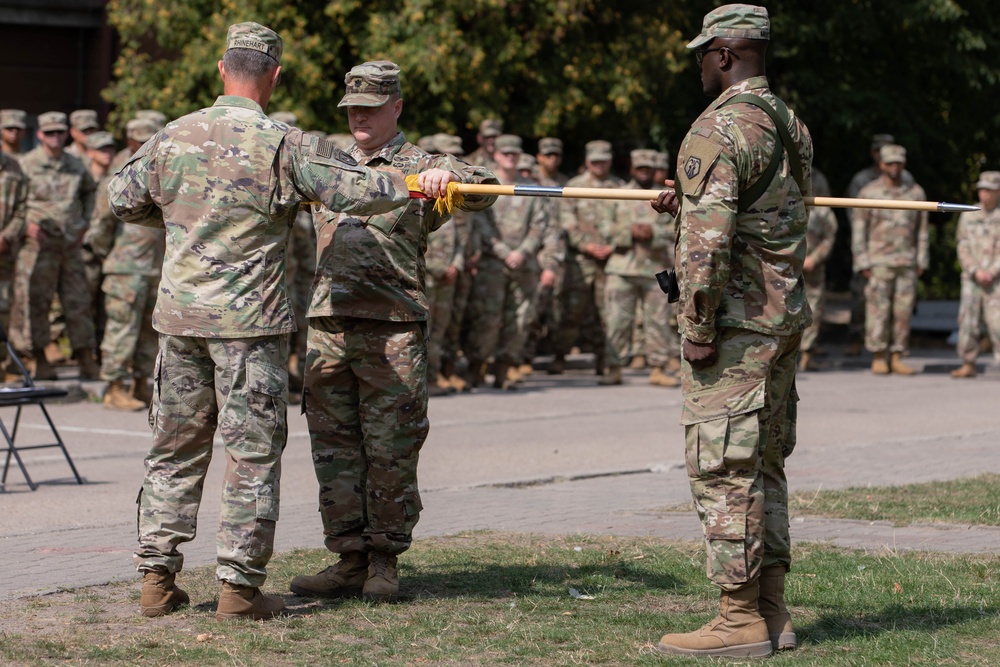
(427,143)
(52,121)
(158,117)
(84,119)
(13,118)
(370,84)
(287,117)
(550,145)
(988,180)
(892,153)
(662,160)
(733,22)
(644,157)
(250,35)
(491,127)
(508,143)
(526,161)
(598,150)
(880,140)
(448,143)
(140,129)
(99,140)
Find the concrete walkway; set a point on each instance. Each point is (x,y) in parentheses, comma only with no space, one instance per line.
(561,456)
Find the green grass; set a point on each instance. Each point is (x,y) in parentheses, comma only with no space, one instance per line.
(502,599)
(974,500)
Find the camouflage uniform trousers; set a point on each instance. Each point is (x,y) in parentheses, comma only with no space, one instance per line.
(978,305)
(581,305)
(624,297)
(890,295)
(130,343)
(546,321)
(365,400)
(6,287)
(460,317)
(739,417)
(856,326)
(503,310)
(815,291)
(441,298)
(239,385)
(95,280)
(43,270)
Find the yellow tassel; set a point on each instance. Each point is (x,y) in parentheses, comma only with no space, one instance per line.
(443,205)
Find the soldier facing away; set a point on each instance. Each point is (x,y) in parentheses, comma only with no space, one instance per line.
(228,182)
(742,309)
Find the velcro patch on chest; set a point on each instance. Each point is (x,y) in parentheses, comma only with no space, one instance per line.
(326,153)
(699,156)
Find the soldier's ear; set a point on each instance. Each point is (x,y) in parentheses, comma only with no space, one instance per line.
(222,71)
(276,78)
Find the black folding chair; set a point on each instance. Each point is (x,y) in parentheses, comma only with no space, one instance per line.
(20,396)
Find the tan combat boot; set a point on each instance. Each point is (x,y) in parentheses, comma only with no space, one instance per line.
(443,383)
(237,601)
(673,364)
(89,370)
(966,371)
(557,366)
(454,381)
(43,370)
(879,364)
(501,380)
(345,579)
(116,397)
(737,632)
(807,363)
(771,604)
(53,354)
(611,377)
(141,390)
(525,370)
(638,362)
(382,584)
(660,378)
(514,374)
(159,594)
(477,372)
(897,366)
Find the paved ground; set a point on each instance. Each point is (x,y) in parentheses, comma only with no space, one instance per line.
(561,456)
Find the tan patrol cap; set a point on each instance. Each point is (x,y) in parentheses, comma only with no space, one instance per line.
(508,143)
(370,84)
(662,160)
(84,119)
(140,129)
(158,117)
(52,121)
(643,157)
(526,161)
(287,117)
(250,35)
(13,118)
(892,153)
(733,22)
(448,143)
(100,139)
(988,180)
(598,150)
(491,127)
(550,145)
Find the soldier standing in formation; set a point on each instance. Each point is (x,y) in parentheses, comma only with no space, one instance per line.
(820,235)
(489,130)
(13,124)
(224,316)
(742,227)
(13,193)
(365,395)
(890,252)
(978,236)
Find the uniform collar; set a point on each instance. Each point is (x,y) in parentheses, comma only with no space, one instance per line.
(753,83)
(386,153)
(237,101)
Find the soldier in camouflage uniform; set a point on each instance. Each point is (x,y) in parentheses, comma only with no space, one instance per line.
(820,235)
(13,193)
(890,252)
(365,394)
(643,240)
(742,310)
(227,181)
(60,203)
(82,124)
(489,130)
(978,236)
(503,295)
(13,124)
(587,225)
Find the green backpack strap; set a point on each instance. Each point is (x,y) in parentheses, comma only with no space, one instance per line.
(783,140)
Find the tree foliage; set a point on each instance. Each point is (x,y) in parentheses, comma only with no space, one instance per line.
(924,70)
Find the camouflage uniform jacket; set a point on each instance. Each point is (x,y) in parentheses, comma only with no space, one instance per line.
(123,249)
(741,270)
(60,193)
(978,236)
(588,220)
(552,256)
(640,258)
(515,223)
(226,182)
(866,176)
(882,237)
(13,192)
(444,250)
(373,267)
(820,235)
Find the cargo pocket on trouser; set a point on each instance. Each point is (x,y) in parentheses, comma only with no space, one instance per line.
(259,540)
(266,418)
(722,440)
